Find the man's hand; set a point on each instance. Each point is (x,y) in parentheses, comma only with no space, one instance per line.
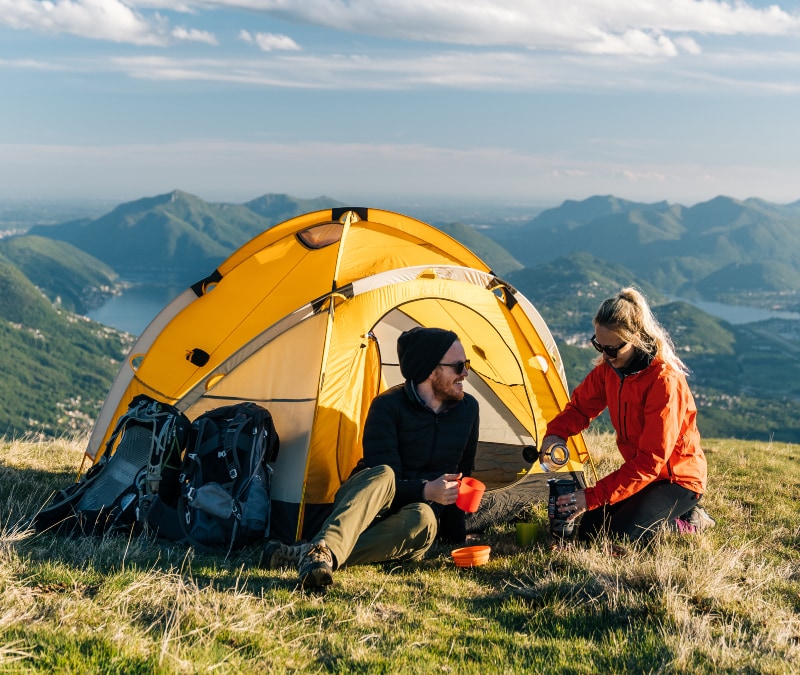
(442,490)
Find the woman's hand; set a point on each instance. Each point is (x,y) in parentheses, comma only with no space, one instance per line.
(572,505)
(547,442)
(442,490)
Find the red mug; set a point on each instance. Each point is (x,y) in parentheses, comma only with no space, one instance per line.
(470,493)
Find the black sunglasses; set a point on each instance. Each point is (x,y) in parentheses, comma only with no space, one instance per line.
(458,366)
(611,351)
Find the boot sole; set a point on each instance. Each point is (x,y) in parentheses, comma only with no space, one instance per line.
(317,577)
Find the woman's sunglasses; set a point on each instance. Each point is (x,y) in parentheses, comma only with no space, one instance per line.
(458,366)
(610,351)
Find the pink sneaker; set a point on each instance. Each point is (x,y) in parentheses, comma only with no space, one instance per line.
(684,527)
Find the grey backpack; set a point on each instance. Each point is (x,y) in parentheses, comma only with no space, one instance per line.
(140,461)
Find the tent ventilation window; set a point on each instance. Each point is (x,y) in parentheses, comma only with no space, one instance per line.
(505,294)
(321,236)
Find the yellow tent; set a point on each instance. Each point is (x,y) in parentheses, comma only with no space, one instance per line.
(304,318)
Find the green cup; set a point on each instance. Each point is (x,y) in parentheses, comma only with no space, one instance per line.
(527,533)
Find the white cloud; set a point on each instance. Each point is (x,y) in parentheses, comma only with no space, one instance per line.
(270,41)
(32,64)
(194,35)
(96,19)
(188,7)
(464,70)
(688,45)
(649,28)
(645,27)
(110,20)
(535,45)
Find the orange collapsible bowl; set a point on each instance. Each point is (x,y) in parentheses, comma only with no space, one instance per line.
(471,556)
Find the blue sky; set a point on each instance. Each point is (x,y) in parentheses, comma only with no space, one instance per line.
(507,101)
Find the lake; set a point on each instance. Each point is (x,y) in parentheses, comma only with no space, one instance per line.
(738,314)
(136,307)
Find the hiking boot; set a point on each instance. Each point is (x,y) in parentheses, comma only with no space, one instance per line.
(316,567)
(277,556)
(615,550)
(698,517)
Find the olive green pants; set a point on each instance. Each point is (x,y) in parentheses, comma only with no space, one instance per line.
(357,531)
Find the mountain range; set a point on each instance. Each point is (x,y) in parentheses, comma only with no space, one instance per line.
(724,249)
(564,259)
(183,236)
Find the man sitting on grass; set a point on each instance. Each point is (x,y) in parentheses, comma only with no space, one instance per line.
(420,437)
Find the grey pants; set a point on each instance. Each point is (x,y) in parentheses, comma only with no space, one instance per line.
(640,515)
(358,531)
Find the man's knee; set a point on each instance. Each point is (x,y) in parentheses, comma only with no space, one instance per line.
(374,475)
(374,480)
(421,526)
(382,472)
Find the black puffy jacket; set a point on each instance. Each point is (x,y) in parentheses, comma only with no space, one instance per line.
(417,443)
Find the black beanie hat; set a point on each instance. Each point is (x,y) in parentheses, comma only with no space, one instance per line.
(420,350)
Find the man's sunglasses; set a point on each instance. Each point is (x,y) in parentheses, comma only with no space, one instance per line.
(611,351)
(458,366)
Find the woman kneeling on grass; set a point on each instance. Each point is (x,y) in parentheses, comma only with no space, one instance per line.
(642,382)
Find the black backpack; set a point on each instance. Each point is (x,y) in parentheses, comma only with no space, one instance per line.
(141,458)
(225,478)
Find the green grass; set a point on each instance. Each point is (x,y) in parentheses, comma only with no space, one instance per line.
(725,601)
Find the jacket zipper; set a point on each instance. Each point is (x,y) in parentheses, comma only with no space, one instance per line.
(435,436)
(621,414)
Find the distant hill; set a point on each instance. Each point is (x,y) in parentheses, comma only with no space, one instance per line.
(737,281)
(277,208)
(682,251)
(695,333)
(175,232)
(568,290)
(20,301)
(56,367)
(575,214)
(74,279)
(499,260)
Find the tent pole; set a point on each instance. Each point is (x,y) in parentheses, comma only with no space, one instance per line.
(349,218)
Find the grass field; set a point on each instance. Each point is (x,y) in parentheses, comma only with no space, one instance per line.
(724,601)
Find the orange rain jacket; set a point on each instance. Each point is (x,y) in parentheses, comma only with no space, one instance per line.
(653,413)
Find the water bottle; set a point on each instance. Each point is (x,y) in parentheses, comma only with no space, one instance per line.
(560,527)
(556,456)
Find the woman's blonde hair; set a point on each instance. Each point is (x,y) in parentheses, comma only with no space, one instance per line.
(630,317)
